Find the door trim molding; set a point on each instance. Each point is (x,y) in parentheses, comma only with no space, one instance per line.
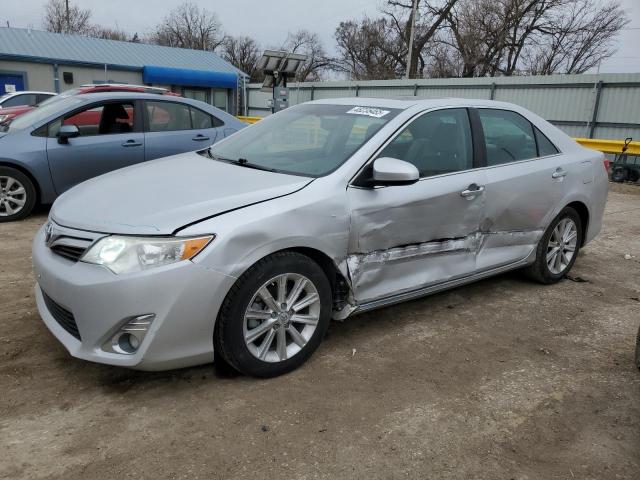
(424,291)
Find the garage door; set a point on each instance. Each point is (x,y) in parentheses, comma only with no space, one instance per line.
(10,83)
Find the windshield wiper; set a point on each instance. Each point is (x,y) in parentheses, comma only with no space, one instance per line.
(242,162)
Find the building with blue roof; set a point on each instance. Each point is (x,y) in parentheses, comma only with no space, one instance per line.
(45,61)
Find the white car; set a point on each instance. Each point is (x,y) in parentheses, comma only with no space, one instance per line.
(321,211)
(24,98)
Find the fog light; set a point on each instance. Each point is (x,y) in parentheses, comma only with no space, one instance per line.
(130,336)
(126,343)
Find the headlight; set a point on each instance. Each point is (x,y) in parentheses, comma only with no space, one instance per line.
(133,254)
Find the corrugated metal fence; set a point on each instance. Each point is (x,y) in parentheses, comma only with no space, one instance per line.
(591,106)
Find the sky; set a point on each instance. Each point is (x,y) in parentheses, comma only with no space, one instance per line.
(270,21)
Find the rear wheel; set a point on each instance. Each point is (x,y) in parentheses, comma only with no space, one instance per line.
(275,315)
(558,248)
(17,195)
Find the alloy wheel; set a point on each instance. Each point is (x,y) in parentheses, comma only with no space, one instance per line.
(13,196)
(281,317)
(562,246)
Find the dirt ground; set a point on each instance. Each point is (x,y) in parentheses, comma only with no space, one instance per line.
(501,379)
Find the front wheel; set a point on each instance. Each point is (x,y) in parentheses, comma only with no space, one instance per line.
(17,195)
(558,248)
(275,315)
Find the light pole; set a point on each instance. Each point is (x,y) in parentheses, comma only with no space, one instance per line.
(67,13)
(414,14)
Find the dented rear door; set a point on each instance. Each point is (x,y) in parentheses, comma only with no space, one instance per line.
(524,184)
(407,237)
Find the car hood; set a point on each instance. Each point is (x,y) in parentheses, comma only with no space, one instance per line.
(161,196)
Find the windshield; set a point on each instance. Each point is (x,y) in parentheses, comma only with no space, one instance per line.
(45,110)
(310,140)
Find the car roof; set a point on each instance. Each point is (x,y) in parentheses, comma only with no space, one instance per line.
(404,103)
(29,92)
(132,95)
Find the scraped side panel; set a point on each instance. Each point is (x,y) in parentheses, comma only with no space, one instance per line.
(403,238)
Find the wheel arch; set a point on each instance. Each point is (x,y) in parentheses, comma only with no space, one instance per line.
(29,174)
(583,212)
(339,283)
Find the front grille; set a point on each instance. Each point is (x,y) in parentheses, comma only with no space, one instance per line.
(69,243)
(63,317)
(69,252)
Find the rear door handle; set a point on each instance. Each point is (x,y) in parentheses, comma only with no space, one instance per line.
(472,190)
(559,173)
(200,138)
(132,143)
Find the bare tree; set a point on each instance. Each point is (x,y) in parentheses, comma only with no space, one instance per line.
(577,38)
(189,26)
(511,37)
(243,53)
(63,17)
(108,33)
(308,43)
(368,49)
(431,16)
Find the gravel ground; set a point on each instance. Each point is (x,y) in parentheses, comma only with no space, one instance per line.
(501,379)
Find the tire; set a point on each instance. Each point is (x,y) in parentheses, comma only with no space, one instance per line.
(618,175)
(17,195)
(540,270)
(273,325)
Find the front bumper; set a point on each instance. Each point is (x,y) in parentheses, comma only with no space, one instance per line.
(185,297)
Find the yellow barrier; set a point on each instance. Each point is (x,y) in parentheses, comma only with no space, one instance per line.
(610,146)
(249,119)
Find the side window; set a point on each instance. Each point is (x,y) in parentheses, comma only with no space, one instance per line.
(545,147)
(200,119)
(43,96)
(105,119)
(437,142)
(168,116)
(20,100)
(509,136)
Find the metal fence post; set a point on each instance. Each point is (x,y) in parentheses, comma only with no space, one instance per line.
(357,90)
(596,107)
(415,89)
(492,94)
(312,90)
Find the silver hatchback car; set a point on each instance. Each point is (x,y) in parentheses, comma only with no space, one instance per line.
(321,211)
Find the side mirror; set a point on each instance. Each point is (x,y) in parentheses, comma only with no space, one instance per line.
(389,171)
(66,132)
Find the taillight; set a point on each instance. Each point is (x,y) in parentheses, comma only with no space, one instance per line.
(606,163)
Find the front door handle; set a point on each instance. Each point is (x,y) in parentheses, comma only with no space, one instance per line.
(200,138)
(132,143)
(559,173)
(472,190)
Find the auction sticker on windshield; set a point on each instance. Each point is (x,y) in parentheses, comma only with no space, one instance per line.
(369,111)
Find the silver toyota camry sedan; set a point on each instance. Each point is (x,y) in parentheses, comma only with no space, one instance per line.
(324,210)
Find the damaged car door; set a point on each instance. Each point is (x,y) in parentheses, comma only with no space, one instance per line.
(524,184)
(407,237)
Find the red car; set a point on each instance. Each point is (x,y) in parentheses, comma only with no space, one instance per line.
(8,114)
